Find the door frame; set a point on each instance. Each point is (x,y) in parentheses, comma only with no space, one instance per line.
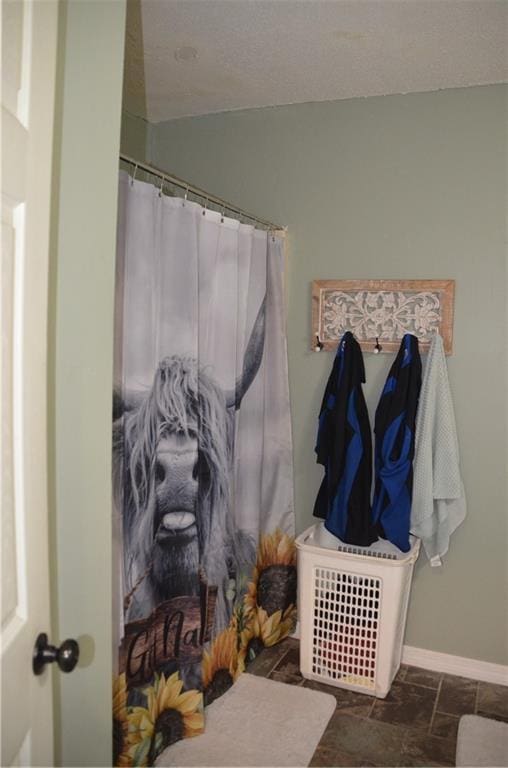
(80,363)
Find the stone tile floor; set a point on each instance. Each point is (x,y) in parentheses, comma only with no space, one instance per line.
(416,725)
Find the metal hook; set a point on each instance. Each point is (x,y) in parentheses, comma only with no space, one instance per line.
(378,348)
(134,175)
(205,206)
(161,189)
(319,344)
(222,215)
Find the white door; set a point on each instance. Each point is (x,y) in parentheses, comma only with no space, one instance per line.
(29,45)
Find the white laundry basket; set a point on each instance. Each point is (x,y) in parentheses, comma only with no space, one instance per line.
(352,607)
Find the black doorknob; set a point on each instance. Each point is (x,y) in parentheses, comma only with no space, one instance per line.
(66,656)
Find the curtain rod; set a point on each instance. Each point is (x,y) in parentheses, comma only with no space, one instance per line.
(175,181)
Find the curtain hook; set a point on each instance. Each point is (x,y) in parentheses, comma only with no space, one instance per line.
(205,206)
(222,215)
(378,348)
(185,196)
(161,189)
(134,175)
(319,344)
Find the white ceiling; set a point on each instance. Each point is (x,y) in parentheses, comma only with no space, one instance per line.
(257,53)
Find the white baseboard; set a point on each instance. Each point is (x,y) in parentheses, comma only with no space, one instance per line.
(455,665)
(446,662)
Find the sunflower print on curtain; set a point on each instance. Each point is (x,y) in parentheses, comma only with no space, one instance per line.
(203,521)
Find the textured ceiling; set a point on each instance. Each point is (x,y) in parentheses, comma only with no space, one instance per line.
(257,53)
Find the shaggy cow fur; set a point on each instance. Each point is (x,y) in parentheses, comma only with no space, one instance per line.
(172,456)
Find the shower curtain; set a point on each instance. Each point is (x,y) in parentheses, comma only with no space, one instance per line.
(203,521)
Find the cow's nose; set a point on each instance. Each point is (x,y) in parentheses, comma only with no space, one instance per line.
(176,479)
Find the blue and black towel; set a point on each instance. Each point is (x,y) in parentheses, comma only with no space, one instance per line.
(394,445)
(344,448)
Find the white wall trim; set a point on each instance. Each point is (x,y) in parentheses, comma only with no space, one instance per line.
(475,669)
(455,665)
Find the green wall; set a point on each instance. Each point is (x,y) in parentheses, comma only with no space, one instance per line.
(81,282)
(134,137)
(407,186)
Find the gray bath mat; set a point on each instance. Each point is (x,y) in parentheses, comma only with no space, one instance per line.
(481,741)
(258,722)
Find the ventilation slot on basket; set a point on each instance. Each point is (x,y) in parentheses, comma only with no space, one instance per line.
(345,627)
(366,552)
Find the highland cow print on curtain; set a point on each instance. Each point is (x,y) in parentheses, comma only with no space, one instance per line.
(203,522)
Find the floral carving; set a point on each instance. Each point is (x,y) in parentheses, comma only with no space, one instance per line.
(382,309)
(387,315)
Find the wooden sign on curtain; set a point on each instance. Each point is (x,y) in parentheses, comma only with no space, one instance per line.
(382,309)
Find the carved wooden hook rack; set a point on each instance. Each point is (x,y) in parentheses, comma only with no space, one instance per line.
(380,312)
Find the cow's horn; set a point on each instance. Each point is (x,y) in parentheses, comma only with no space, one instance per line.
(251,361)
(125,401)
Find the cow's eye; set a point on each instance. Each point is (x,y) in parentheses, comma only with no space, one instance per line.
(201,471)
(160,473)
